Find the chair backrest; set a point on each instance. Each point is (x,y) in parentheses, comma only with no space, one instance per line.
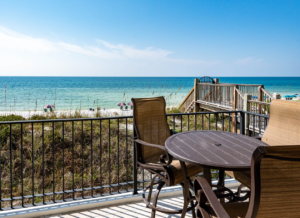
(275,179)
(151,126)
(284,124)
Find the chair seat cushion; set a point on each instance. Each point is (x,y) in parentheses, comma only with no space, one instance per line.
(192,170)
(243,177)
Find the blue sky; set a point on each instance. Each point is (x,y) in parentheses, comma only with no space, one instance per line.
(149,38)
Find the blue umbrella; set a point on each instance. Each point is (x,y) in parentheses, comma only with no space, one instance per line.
(292,96)
(286,96)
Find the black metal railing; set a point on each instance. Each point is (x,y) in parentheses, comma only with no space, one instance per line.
(51,161)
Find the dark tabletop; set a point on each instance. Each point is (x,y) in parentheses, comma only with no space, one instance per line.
(214,149)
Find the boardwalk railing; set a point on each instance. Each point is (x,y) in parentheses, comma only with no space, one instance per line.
(188,101)
(51,161)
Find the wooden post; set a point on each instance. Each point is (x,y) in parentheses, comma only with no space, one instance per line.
(234,105)
(276,96)
(260,97)
(196,94)
(247,107)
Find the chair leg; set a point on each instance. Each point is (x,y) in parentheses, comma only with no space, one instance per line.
(151,187)
(192,205)
(155,197)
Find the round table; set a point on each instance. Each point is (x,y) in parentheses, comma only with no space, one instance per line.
(212,150)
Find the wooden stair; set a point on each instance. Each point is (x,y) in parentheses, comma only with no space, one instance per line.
(190,107)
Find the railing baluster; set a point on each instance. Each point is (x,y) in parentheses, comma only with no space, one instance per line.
(248,118)
(216,117)
(181,123)
(235,122)
(1,176)
(202,122)
(259,126)
(253,125)
(32,155)
(109,164)
(11,166)
(82,166)
(188,122)
(63,142)
(208,121)
(101,156)
(53,160)
(73,166)
(195,121)
(118,155)
(223,121)
(126,157)
(229,118)
(92,178)
(22,155)
(43,145)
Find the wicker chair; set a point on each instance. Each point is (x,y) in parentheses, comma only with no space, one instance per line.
(151,132)
(283,129)
(275,188)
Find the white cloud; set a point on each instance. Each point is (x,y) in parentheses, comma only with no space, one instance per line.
(26,55)
(15,41)
(248,61)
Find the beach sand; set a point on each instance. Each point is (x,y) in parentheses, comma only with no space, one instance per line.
(105,113)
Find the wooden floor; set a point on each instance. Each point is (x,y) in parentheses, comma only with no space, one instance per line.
(127,210)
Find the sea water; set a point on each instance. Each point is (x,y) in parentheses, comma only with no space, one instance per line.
(70,93)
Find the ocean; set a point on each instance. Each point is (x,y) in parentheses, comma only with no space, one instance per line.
(70,93)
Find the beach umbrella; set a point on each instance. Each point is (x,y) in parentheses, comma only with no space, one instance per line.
(49,106)
(121,104)
(292,96)
(130,104)
(286,96)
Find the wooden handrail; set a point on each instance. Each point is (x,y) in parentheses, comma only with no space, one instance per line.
(259,102)
(228,84)
(267,93)
(240,93)
(188,95)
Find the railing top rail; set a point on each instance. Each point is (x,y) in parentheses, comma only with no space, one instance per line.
(124,117)
(267,93)
(259,102)
(240,93)
(217,84)
(256,114)
(255,85)
(229,84)
(188,95)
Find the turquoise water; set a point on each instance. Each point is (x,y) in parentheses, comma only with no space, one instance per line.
(32,93)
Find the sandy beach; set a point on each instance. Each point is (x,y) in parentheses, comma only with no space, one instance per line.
(105,113)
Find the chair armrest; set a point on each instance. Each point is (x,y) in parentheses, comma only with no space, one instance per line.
(162,157)
(257,137)
(149,144)
(206,192)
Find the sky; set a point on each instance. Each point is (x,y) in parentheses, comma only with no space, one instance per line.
(150,38)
